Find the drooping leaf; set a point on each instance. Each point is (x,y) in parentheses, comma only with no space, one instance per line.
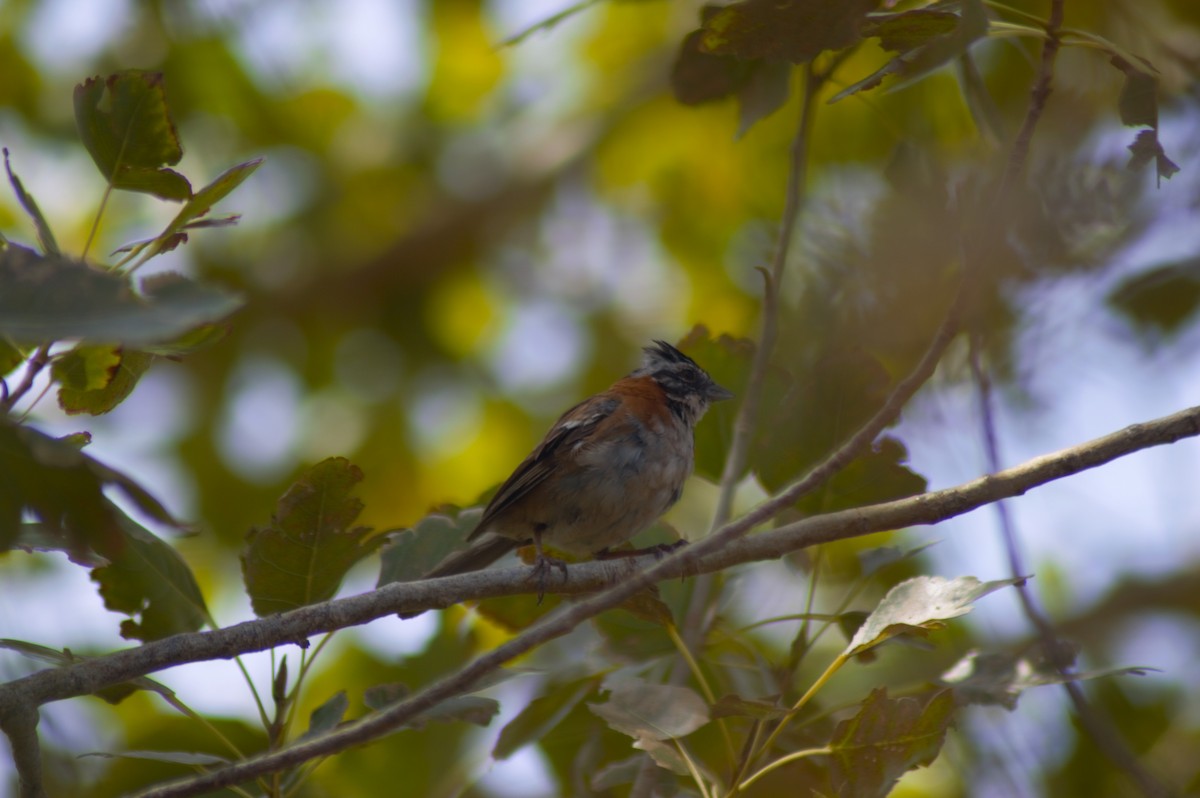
(10,357)
(903,31)
(310,544)
(125,125)
(540,716)
(62,487)
(1138,101)
(94,378)
(764,93)
(698,76)
(640,708)
(734,706)
(878,475)
(44,233)
(999,678)
(50,298)
(649,607)
(410,553)
(150,581)
(920,604)
(792,30)
(473,709)
(887,738)
(327,716)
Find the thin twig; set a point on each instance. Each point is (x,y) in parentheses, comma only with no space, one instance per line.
(87,677)
(1038,96)
(700,608)
(33,367)
(796,196)
(714,551)
(1096,725)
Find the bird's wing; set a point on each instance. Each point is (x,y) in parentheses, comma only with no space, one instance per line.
(573,426)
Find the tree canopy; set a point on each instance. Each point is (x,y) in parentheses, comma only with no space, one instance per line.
(287,290)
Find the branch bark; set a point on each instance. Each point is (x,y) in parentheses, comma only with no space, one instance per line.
(715,553)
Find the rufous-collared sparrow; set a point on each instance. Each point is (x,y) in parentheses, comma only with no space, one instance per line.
(606,470)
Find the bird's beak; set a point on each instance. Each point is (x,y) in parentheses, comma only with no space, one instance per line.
(716,393)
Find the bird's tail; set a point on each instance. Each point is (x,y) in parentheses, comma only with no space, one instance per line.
(479,555)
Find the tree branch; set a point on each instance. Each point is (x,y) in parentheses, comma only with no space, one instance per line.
(714,553)
(19,720)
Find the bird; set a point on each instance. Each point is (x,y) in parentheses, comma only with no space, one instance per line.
(607,469)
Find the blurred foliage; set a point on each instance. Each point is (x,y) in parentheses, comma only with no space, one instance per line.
(436,253)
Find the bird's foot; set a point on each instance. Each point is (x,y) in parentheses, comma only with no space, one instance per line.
(541,569)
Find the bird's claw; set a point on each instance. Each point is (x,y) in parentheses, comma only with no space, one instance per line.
(541,568)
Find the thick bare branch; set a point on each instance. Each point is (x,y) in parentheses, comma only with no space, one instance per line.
(705,556)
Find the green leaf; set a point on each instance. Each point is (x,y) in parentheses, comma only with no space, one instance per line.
(647,605)
(763,94)
(640,708)
(1161,299)
(86,368)
(52,480)
(411,553)
(51,298)
(699,77)
(469,708)
(794,30)
(203,200)
(148,578)
(327,716)
(10,357)
(999,678)
(734,706)
(876,476)
(1138,101)
(378,696)
(195,340)
(190,758)
(189,216)
(125,125)
(903,31)
(36,536)
(45,235)
(914,34)
(96,378)
(885,739)
(301,557)
(62,487)
(540,717)
(920,604)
